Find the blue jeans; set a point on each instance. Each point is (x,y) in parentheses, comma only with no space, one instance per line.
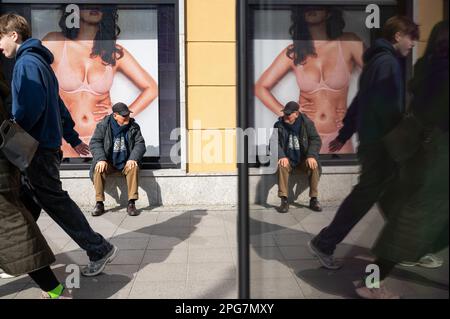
(43,175)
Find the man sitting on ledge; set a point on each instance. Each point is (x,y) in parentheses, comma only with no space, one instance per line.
(117,146)
(298,150)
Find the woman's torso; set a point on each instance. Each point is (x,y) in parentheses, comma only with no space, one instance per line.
(84,86)
(324,81)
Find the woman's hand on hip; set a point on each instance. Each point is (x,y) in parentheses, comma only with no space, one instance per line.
(101,110)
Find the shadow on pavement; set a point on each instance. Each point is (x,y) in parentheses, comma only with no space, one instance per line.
(172,231)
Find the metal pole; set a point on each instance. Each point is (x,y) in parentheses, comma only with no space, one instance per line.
(242,144)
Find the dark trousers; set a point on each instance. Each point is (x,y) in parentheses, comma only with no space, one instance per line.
(377,170)
(43,175)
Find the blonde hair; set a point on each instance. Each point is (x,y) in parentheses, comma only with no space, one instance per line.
(12,22)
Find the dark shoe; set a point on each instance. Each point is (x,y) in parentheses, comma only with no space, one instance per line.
(131,209)
(315,205)
(99,209)
(284,207)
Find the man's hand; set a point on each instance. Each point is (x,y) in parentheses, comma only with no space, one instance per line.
(283,162)
(101,167)
(312,163)
(335,145)
(82,149)
(130,165)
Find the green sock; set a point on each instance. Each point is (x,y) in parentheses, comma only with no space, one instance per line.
(55,293)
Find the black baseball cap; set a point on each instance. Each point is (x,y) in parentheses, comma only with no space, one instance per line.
(121,109)
(291,107)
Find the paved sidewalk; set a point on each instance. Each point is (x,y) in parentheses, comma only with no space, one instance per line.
(191,252)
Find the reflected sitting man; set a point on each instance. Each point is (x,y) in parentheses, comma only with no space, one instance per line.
(117,146)
(298,150)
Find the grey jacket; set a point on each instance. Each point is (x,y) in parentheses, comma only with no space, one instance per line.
(101,144)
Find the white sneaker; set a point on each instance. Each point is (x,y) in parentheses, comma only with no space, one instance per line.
(430,261)
(4,275)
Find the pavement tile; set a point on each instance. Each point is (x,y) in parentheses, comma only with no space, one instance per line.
(275,288)
(211,271)
(166,256)
(128,257)
(212,255)
(181,253)
(159,290)
(130,243)
(167,242)
(162,272)
(196,241)
(212,289)
(269,270)
(11,290)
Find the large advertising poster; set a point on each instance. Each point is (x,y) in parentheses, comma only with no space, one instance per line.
(112,56)
(311,55)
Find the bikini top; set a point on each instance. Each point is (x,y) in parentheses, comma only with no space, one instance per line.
(337,81)
(69,84)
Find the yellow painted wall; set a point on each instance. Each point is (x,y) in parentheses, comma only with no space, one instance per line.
(429,12)
(211,85)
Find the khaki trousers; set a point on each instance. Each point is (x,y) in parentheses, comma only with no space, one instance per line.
(283,179)
(131,175)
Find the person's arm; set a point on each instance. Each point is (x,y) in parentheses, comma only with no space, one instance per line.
(69,133)
(29,96)
(349,122)
(274,73)
(357,48)
(314,141)
(139,147)
(144,81)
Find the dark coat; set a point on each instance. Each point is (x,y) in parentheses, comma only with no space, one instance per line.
(23,249)
(310,141)
(379,104)
(416,203)
(101,144)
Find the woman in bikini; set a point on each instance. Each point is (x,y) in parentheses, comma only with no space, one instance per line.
(86,61)
(322,58)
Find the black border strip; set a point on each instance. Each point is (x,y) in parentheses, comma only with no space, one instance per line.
(243,169)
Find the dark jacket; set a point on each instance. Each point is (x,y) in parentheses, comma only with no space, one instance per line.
(379,103)
(310,141)
(36,105)
(430,95)
(23,249)
(416,201)
(101,144)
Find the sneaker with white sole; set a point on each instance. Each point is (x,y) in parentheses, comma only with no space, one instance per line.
(429,261)
(66,294)
(95,268)
(325,260)
(4,275)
